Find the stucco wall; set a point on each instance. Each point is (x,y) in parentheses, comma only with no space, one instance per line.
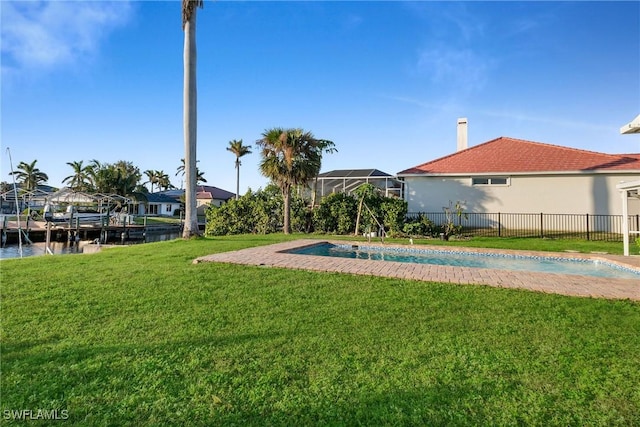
(562,194)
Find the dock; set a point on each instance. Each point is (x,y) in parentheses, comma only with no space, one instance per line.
(36,231)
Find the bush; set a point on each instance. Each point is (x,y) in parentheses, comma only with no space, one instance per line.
(255,213)
(419,226)
(394,213)
(262,213)
(336,214)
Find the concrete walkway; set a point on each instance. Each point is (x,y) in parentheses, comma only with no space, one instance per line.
(572,285)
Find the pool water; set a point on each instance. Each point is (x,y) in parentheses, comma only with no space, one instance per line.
(576,266)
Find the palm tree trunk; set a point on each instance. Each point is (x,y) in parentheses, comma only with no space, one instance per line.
(237,179)
(190,128)
(286,193)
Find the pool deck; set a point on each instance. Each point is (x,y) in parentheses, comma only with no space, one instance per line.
(572,285)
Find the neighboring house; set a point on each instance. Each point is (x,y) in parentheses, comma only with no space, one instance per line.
(156,204)
(516,176)
(347,180)
(209,195)
(205,195)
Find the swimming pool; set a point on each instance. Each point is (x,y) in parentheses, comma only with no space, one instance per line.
(499,261)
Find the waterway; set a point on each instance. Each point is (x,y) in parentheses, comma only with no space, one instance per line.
(62,248)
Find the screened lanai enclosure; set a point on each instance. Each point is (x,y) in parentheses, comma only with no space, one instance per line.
(348,180)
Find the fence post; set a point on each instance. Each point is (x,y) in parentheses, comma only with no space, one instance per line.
(499,226)
(587,226)
(541,225)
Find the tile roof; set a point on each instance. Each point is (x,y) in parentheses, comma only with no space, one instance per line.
(509,155)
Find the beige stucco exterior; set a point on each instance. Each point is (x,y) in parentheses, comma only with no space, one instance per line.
(579,193)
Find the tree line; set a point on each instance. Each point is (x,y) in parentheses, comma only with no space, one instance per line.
(122,177)
(290,158)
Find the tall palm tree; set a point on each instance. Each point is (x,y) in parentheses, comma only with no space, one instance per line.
(239,150)
(190,110)
(79,181)
(291,157)
(29,175)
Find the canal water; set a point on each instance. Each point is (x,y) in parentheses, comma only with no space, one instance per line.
(60,248)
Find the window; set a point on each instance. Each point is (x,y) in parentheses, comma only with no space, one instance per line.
(492,180)
(168,208)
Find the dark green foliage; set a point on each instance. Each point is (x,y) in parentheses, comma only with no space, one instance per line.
(259,212)
(394,213)
(419,226)
(336,214)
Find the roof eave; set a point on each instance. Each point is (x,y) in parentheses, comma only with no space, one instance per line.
(536,173)
(632,127)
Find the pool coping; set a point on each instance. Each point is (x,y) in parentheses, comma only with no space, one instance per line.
(275,255)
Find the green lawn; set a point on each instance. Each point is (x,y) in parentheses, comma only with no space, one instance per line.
(141,336)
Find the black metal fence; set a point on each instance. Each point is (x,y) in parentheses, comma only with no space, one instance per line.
(582,226)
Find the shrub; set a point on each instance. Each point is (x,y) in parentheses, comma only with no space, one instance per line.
(255,213)
(336,214)
(394,212)
(419,226)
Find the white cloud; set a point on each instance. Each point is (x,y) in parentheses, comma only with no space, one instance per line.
(462,68)
(48,34)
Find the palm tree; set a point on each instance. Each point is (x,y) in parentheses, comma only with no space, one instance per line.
(190,110)
(122,178)
(163,181)
(29,175)
(79,181)
(291,157)
(199,174)
(152,177)
(239,150)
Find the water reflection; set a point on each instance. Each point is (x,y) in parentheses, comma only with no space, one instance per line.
(60,248)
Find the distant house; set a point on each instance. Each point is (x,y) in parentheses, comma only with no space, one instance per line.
(156,204)
(205,195)
(209,195)
(347,180)
(517,176)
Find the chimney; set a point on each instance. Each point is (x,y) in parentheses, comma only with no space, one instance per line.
(462,134)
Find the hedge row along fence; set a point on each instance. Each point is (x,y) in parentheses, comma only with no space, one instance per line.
(261,212)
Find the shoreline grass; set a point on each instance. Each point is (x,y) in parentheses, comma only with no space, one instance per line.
(140,336)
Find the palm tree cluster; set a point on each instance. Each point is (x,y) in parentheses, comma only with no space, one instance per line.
(158,178)
(121,178)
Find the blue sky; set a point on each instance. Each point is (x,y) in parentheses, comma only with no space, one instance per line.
(385,80)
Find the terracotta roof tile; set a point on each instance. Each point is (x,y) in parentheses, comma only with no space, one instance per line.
(509,155)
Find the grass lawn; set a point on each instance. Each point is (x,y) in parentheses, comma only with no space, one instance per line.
(141,336)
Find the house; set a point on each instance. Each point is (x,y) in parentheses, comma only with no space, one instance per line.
(347,180)
(205,195)
(208,195)
(156,204)
(516,176)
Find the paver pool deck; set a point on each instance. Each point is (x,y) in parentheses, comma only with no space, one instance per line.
(573,285)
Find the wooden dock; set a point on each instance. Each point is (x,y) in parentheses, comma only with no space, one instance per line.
(36,231)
